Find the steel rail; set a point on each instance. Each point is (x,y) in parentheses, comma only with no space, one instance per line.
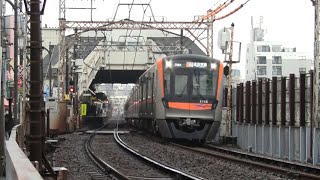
(280,170)
(269,160)
(103,166)
(167,168)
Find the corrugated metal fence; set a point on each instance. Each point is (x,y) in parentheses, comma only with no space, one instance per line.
(274,117)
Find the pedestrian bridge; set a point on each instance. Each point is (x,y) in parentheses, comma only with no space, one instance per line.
(123,61)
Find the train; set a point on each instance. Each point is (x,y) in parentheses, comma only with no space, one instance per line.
(96,110)
(178,97)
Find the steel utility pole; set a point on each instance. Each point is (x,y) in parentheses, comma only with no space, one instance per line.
(50,69)
(2,121)
(315,119)
(15,67)
(229,103)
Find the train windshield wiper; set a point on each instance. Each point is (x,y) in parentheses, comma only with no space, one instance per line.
(198,90)
(183,90)
(197,86)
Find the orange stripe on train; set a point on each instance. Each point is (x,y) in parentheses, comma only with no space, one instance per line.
(189,106)
(160,73)
(219,80)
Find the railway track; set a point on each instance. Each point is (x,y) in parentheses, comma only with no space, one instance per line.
(262,163)
(178,174)
(104,168)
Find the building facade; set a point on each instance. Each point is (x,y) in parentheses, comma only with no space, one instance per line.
(267,59)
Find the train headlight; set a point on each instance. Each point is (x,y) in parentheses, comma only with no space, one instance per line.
(169,64)
(213,66)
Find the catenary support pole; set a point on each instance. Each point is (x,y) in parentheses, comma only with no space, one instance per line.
(15,67)
(36,96)
(2,121)
(315,119)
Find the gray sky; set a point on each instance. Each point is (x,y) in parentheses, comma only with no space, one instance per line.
(290,21)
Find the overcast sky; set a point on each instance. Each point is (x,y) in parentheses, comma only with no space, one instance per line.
(289,21)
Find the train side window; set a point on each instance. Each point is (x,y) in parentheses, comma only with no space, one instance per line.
(141,88)
(149,86)
(146,87)
(152,84)
(167,83)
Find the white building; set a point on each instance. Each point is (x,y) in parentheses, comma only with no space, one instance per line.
(236,77)
(266,59)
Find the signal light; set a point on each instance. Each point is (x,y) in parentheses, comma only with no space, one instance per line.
(71,82)
(226,70)
(71,89)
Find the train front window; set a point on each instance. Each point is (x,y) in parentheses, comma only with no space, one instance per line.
(181,83)
(202,83)
(190,82)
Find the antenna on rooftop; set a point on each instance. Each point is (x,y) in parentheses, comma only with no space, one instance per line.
(261,21)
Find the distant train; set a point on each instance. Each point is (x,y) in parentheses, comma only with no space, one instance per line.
(98,110)
(179,97)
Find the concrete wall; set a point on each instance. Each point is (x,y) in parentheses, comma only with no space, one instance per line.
(18,166)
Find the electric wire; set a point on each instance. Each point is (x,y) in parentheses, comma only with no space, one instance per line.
(232,12)
(47,71)
(110,74)
(212,11)
(125,40)
(216,11)
(215,4)
(135,53)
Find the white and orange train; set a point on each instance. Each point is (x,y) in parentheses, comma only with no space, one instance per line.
(179,97)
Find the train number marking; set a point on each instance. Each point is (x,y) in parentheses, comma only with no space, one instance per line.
(204,101)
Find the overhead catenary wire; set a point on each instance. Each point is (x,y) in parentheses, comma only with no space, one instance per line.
(232,12)
(190,33)
(135,54)
(215,4)
(125,40)
(215,11)
(110,74)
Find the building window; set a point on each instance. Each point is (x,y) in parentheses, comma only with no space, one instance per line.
(261,70)
(263,48)
(276,60)
(276,48)
(302,57)
(261,60)
(302,70)
(276,70)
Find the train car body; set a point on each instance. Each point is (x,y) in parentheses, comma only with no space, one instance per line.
(98,110)
(178,97)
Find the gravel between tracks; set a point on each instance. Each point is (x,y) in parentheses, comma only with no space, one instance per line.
(199,164)
(71,155)
(106,148)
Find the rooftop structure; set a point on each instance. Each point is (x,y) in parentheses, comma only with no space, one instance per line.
(266,59)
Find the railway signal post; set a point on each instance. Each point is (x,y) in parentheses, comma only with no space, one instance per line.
(225,41)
